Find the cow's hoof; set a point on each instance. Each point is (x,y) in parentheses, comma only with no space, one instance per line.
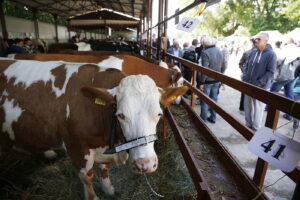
(50,154)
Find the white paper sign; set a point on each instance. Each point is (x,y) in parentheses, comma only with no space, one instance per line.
(188,24)
(278,150)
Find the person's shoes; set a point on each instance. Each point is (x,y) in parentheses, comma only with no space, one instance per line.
(287,117)
(211,121)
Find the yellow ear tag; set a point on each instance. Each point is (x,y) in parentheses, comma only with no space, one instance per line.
(98,101)
(172,98)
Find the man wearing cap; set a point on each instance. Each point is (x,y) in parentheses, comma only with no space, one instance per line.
(259,71)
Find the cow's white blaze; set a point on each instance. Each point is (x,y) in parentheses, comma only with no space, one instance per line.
(28,72)
(89,162)
(138,100)
(111,62)
(67,111)
(12,114)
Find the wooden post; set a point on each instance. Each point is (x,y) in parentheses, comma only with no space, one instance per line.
(36,23)
(261,165)
(55,26)
(3,22)
(194,84)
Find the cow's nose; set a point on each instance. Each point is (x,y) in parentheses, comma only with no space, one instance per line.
(144,165)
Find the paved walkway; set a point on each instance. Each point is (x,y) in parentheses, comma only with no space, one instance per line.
(229,99)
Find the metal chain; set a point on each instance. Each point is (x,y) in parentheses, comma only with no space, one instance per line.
(159,195)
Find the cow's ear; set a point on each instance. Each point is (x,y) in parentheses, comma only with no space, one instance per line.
(168,95)
(99,96)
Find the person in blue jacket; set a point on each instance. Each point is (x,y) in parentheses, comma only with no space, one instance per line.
(17,47)
(176,51)
(296,91)
(259,71)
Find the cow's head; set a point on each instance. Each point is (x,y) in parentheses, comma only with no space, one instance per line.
(139,103)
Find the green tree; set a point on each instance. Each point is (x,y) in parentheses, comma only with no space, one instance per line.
(250,16)
(292,11)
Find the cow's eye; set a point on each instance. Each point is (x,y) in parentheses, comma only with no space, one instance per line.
(160,114)
(121,116)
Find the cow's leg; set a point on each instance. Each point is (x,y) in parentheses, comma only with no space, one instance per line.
(86,174)
(106,185)
(87,180)
(83,160)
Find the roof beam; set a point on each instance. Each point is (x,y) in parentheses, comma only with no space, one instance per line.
(123,11)
(132,7)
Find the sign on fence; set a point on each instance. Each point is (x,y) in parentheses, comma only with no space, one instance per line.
(280,151)
(188,24)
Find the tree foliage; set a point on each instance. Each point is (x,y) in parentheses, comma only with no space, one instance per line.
(252,15)
(18,10)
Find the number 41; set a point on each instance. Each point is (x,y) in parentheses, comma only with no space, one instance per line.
(267,146)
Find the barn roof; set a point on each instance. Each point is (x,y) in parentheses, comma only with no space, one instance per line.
(102,18)
(69,8)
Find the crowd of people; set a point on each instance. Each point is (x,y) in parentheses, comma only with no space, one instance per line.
(17,45)
(267,67)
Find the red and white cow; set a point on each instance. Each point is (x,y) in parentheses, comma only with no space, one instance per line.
(129,64)
(50,105)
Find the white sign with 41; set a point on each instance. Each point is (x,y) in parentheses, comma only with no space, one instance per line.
(280,151)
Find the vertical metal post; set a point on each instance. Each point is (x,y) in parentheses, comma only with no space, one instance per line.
(165,17)
(148,35)
(55,26)
(261,165)
(159,32)
(69,31)
(36,23)
(3,22)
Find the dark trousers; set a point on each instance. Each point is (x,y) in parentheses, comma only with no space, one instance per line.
(242,102)
(187,75)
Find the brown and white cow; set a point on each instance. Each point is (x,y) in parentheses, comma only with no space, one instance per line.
(129,64)
(50,105)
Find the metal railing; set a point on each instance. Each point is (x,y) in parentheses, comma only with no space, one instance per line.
(276,102)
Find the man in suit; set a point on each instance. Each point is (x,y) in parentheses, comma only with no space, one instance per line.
(176,51)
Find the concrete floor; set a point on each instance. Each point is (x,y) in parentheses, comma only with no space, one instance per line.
(229,99)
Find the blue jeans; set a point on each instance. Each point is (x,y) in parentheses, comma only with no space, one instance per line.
(288,89)
(211,90)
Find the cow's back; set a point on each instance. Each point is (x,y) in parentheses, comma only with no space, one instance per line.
(40,114)
(131,65)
